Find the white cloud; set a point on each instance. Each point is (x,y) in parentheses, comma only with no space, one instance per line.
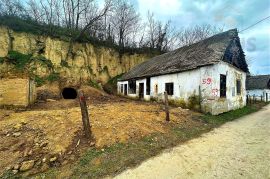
(160,7)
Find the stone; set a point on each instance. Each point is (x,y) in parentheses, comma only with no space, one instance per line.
(44,160)
(53,159)
(50,100)
(69,153)
(27,165)
(17,134)
(92,144)
(16,167)
(15,171)
(30,152)
(17,126)
(43,144)
(44,167)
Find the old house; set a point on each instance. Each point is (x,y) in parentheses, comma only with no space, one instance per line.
(212,71)
(17,90)
(259,87)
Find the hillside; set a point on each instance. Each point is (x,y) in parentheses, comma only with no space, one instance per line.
(53,60)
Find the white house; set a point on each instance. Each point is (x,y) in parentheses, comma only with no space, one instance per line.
(259,87)
(212,71)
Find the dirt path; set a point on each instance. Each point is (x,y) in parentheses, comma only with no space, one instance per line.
(238,149)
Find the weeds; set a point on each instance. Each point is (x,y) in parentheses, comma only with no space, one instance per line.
(18,59)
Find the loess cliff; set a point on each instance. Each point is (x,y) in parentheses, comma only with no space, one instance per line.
(51,60)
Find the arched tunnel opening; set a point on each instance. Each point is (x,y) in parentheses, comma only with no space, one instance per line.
(69,93)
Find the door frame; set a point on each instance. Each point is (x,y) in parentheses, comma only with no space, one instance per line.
(141,90)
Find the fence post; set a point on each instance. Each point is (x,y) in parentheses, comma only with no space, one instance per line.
(166,106)
(266,97)
(253,98)
(85,116)
(261,98)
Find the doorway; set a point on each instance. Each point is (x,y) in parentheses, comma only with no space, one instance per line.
(125,89)
(141,90)
(69,93)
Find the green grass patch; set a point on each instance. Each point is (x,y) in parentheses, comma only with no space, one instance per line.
(19,60)
(46,62)
(231,115)
(53,77)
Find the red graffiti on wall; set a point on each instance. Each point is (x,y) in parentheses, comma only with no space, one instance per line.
(207,81)
(215,92)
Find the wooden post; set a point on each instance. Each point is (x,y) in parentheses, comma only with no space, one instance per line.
(247,99)
(266,96)
(200,98)
(166,106)
(85,116)
(253,98)
(261,98)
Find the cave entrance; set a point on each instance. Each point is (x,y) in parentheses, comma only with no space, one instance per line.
(69,93)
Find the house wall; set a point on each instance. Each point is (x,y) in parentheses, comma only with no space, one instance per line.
(202,83)
(258,93)
(211,100)
(17,92)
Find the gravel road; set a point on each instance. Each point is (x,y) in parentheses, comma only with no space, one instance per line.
(238,149)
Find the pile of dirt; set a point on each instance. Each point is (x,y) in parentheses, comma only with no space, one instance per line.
(48,133)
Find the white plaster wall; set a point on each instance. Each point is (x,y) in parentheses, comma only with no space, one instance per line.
(185,84)
(260,92)
(207,79)
(212,102)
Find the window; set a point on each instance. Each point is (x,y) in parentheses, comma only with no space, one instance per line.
(169,88)
(132,86)
(156,88)
(222,85)
(147,86)
(238,86)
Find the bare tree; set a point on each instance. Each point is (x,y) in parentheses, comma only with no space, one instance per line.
(12,7)
(94,16)
(197,33)
(124,20)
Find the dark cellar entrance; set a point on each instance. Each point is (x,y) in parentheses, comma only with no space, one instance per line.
(69,93)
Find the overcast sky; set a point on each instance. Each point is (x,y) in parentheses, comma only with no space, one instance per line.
(228,14)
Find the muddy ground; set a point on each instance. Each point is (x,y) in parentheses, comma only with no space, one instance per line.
(50,133)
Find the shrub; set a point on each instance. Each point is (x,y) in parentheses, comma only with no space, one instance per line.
(194,102)
(2,59)
(178,102)
(111,86)
(53,77)
(19,59)
(94,84)
(39,81)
